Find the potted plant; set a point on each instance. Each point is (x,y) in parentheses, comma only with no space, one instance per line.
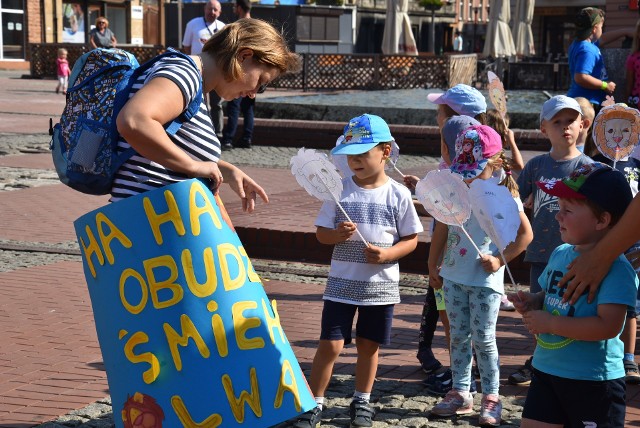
(431,5)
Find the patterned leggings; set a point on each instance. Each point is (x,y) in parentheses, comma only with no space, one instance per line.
(473,313)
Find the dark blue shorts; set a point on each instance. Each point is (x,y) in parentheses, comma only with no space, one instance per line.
(574,403)
(374,322)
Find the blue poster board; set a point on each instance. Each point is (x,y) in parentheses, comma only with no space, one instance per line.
(187,332)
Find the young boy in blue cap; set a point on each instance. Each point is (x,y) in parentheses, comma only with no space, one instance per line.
(362,278)
(578,372)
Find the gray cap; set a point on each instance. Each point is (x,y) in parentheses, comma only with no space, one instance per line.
(454,126)
(552,106)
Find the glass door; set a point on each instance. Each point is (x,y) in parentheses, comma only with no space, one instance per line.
(12,39)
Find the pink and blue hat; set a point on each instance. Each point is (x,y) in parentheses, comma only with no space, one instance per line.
(474,147)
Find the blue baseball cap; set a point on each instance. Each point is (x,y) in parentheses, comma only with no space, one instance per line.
(361,134)
(463,99)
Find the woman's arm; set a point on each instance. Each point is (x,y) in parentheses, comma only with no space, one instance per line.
(612,36)
(517,163)
(587,271)
(606,325)
(141,121)
(114,41)
(243,185)
(91,41)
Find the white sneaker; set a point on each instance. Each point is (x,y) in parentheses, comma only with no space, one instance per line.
(491,411)
(506,305)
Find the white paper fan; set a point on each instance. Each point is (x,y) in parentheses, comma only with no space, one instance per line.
(446,197)
(497,213)
(319,177)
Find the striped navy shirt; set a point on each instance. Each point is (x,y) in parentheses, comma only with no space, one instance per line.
(196,136)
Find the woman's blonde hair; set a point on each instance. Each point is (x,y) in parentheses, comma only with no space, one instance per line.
(102,18)
(500,160)
(268,45)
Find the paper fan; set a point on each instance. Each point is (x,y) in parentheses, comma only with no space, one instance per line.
(496,212)
(446,197)
(319,177)
(616,131)
(497,94)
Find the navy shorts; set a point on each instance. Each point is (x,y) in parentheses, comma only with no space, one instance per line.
(374,322)
(574,403)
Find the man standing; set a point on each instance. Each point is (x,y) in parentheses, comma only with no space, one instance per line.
(457,42)
(242,10)
(196,34)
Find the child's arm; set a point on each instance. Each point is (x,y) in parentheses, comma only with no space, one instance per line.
(341,233)
(524,301)
(410,181)
(525,236)
(606,325)
(436,250)
(517,163)
(404,246)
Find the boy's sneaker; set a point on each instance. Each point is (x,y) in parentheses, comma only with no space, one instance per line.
(506,305)
(491,411)
(309,419)
(432,368)
(361,414)
(631,374)
(522,377)
(454,403)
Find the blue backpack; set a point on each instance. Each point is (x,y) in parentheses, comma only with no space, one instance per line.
(84,143)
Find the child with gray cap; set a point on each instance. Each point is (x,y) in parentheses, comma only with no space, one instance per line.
(364,277)
(561,122)
(579,373)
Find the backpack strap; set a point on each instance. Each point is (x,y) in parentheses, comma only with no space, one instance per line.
(192,109)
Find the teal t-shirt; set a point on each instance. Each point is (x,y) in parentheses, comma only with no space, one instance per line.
(579,359)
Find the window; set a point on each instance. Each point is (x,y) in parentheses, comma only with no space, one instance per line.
(319,28)
(12,40)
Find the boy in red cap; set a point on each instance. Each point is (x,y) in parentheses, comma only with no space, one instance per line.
(578,374)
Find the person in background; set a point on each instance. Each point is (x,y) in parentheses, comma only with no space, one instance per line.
(578,368)
(457,42)
(585,140)
(102,36)
(589,77)
(246,104)
(63,71)
(632,94)
(196,34)
(561,122)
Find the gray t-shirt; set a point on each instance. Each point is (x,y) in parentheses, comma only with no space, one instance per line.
(546,232)
(102,40)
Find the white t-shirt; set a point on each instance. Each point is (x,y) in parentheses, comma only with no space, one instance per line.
(383,215)
(198,31)
(457,43)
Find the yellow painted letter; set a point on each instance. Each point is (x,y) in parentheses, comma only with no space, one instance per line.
(212,421)
(172,215)
(196,211)
(273,322)
(152,372)
(92,248)
(144,294)
(241,324)
(188,331)
(283,386)
(210,278)
(237,404)
(155,286)
(114,233)
(225,250)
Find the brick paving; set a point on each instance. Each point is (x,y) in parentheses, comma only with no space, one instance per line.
(50,362)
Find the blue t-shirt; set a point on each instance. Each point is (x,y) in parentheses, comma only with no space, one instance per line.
(580,359)
(585,58)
